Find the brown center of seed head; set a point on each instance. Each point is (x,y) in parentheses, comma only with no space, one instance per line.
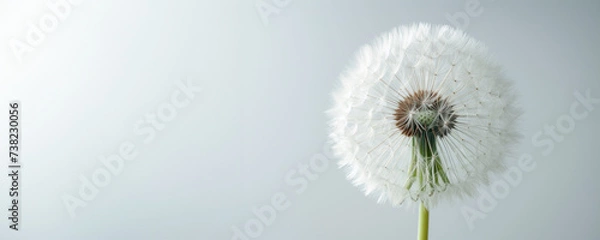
(424,111)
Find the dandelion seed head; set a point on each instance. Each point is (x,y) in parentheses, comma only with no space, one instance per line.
(431,90)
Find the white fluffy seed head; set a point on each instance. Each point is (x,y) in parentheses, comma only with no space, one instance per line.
(415,78)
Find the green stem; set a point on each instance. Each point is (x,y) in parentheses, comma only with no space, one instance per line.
(423,223)
(427,148)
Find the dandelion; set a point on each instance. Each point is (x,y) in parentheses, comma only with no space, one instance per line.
(423,115)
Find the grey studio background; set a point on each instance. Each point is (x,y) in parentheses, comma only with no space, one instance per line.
(104,75)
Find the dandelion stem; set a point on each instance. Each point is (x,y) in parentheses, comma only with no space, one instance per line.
(428,150)
(423,222)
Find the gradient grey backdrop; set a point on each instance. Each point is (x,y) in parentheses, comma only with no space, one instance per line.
(261,113)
